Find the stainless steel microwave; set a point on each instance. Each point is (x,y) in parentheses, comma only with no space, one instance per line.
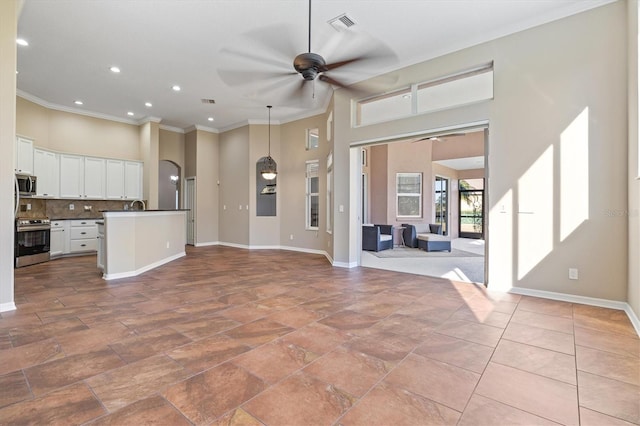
(26,185)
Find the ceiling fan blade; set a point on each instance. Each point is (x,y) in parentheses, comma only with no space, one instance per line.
(255,58)
(237,78)
(276,39)
(357,91)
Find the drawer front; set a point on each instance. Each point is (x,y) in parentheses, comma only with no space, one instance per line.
(83,222)
(84,245)
(55,224)
(81,233)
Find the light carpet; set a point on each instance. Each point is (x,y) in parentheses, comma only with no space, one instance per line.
(407,252)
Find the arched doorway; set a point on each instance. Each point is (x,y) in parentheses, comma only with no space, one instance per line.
(168,185)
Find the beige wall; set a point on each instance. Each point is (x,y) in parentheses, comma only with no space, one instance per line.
(544,79)
(8,32)
(378,183)
(263,230)
(208,167)
(291,183)
(633,211)
(172,147)
(234,186)
(77,134)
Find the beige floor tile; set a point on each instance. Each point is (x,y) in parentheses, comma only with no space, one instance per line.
(151,411)
(388,405)
(546,306)
(471,331)
(485,411)
(608,396)
(541,337)
(549,322)
(533,359)
(544,397)
(606,364)
(608,342)
(593,418)
(454,351)
(443,383)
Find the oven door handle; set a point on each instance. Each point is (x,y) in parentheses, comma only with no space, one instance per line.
(33,228)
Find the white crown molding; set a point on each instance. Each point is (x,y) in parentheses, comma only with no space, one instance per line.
(149,119)
(49,105)
(206,129)
(259,121)
(172,128)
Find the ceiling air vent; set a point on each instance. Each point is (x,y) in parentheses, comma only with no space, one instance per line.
(208,101)
(341,22)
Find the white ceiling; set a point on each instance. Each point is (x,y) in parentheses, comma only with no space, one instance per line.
(467,163)
(159,43)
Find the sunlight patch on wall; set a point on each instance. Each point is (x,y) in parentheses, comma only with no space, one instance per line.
(501,247)
(574,174)
(535,213)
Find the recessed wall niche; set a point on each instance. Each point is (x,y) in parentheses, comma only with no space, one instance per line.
(265,192)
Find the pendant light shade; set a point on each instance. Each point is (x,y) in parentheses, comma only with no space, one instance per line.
(269,171)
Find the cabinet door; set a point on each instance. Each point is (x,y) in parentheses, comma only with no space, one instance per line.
(94,177)
(71,176)
(133,180)
(46,169)
(57,241)
(115,180)
(24,156)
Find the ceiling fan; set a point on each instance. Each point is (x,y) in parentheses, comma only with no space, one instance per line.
(439,138)
(309,65)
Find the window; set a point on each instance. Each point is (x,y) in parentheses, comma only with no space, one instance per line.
(441,197)
(409,194)
(312,139)
(329,192)
(453,90)
(313,195)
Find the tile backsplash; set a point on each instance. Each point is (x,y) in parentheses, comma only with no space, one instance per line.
(61,209)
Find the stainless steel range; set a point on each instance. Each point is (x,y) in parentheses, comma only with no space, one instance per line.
(32,242)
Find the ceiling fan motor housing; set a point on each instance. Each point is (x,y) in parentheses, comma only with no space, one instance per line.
(309,65)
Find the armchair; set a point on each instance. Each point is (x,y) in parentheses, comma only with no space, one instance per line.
(377,237)
(411,232)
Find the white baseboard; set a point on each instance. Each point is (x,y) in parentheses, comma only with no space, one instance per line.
(6,307)
(348,265)
(593,301)
(210,243)
(145,268)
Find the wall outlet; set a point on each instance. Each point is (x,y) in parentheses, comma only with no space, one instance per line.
(573,273)
(72,207)
(167,244)
(87,208)
(291,237)
(224,207)
(28,206)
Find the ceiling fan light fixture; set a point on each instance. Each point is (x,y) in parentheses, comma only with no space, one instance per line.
(269,170)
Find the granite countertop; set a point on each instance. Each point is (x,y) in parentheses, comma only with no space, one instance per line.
(141,211)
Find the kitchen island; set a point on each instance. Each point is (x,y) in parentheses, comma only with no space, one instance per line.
(136,241)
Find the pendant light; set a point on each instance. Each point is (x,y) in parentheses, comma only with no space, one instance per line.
(269,171)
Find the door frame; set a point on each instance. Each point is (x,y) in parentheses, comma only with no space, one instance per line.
(190,205)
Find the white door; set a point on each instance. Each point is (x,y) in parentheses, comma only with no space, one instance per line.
(190,204)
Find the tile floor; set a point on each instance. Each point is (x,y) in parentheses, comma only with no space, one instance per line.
(235,337)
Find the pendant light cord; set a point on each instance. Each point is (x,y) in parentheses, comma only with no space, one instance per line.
(309,26)
(269,131)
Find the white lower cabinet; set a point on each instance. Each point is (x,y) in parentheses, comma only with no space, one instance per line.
(59,242)
(83,236)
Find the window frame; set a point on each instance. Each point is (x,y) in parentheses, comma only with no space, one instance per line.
(409,194)
(309,133)
(309,196)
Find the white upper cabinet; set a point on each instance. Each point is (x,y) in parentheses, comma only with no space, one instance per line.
(71,176)
(124,180)
(115,180)
(46,167)
(94,178)
(133,180)
(24,156)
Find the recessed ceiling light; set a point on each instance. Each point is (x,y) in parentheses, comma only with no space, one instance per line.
(176,88)
(210,118)
(22,42)
(115,69)
(129,113)
(78,102)
(148,104)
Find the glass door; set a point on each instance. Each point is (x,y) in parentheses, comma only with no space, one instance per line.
(441,203)
(471,201)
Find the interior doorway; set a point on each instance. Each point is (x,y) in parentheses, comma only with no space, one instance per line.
(450,156)
(168,185)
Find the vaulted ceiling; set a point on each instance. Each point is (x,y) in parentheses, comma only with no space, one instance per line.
(239,53)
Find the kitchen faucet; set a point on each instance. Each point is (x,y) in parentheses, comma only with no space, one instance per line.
(144,207)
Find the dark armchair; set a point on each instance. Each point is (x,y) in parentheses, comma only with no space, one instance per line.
(410,232)
(377,237)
